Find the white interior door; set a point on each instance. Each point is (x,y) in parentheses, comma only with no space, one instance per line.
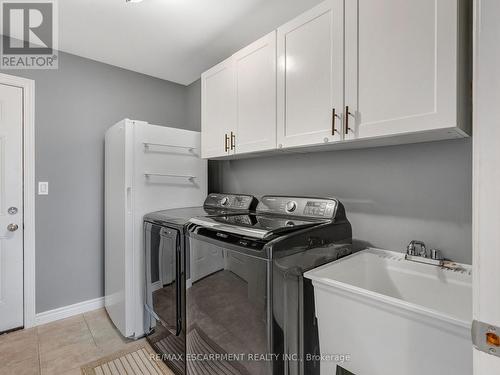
(311,76)
(486,218)
(11,210)
(400,66)
(255,67)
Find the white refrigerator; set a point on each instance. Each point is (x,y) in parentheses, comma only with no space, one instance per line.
(147,168)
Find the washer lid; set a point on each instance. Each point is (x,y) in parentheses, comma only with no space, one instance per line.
(259,226)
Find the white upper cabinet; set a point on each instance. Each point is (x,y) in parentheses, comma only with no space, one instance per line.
(310,76)
(403,69)
(218,110)
(255,68)
(345,74)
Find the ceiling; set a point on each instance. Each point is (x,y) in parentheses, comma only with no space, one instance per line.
(175,40)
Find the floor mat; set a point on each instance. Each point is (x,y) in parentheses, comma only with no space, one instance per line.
(171,345)
(135,361)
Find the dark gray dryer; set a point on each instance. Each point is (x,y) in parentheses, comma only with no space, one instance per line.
(166,274)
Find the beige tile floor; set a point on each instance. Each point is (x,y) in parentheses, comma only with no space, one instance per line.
(60,348)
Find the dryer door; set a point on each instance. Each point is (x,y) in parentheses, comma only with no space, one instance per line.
(163,276)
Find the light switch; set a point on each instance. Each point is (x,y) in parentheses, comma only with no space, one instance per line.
(43,188)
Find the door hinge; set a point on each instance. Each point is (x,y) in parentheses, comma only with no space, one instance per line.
(486,338)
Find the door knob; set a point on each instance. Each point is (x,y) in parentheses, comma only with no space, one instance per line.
(12,227)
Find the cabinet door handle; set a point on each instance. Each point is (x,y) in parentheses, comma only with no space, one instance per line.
(334,115)
(347,114)
(233,140)
(226,140)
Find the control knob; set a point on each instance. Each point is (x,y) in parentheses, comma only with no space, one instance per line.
(291,206)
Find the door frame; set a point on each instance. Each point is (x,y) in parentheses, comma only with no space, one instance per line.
(28,87)
(485,220)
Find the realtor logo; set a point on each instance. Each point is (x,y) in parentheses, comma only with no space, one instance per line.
(29,34)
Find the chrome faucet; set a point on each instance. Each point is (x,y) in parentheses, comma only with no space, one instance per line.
(411,250)
(421,255)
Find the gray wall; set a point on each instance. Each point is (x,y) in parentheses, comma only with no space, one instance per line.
(392,194)
(193,105)
(74,106)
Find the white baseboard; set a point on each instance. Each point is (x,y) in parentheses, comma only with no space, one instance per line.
(68,311)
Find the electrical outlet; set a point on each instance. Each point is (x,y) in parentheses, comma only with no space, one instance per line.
(43,188)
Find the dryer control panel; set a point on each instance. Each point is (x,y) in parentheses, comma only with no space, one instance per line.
(324,208)
(230,201)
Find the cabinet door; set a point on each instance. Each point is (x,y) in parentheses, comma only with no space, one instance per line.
(401,66)
(255,68)
(218,108)
(310,76)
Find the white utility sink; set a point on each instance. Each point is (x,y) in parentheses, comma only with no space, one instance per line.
(393,316)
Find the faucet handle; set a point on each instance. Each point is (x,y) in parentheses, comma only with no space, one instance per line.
(411,249)
(436,254)
(423,250)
